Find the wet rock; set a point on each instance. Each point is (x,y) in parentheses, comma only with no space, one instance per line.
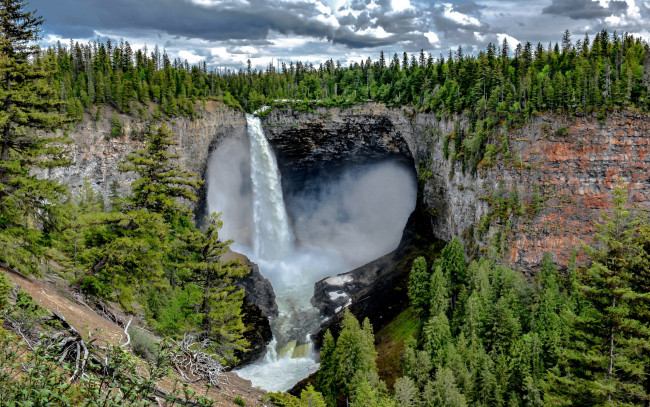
(259,290)
(259,306)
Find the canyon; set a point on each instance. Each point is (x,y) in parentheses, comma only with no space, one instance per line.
(560,168)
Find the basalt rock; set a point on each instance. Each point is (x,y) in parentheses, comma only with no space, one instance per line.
(377,290)
(259,306)
(258,288)
(559,170)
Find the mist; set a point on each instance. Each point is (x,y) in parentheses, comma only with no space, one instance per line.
(360,215)
(229,189)
(340,221)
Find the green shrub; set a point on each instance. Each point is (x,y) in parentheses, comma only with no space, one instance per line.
(563,131)
(91,285)
(5,289)
(239,401)
(144,343)
(117,129)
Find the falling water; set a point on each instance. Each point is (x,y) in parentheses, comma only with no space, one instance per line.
(271,235)
(290,352)
(360,212)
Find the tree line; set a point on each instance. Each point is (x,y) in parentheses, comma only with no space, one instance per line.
(604,72)
(499,86)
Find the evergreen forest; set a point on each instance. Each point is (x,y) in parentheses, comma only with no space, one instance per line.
(486,335)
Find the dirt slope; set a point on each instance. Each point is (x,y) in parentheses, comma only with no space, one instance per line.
(55,296)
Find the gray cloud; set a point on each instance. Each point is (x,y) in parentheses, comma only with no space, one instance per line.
(584,9)
(227,32)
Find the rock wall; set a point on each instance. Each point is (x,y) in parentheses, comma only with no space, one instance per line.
(561,169)
(96,156)
(564,166)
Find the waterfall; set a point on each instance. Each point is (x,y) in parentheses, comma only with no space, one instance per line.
(290,351)
(353,220)
(271,234)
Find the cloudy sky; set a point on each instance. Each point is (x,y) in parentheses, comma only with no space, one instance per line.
(228,32)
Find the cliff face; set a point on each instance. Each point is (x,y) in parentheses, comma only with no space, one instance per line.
(561,171)
(96,156)
(565,166)
(544,195)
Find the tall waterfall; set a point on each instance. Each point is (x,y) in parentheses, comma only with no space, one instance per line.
(290,352)
(271,234)
(350,221)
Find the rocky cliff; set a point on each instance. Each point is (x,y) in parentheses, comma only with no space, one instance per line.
(542,193)
(95,154)
(564,166)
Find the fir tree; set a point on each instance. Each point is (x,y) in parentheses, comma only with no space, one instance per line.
(221,303)
(161,182)
(418,287)
(30,108)
(452,262)
(326,381)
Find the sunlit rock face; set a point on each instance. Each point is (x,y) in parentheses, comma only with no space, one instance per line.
(572,171)
(569,164)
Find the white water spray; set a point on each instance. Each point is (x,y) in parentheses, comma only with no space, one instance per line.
(244,184)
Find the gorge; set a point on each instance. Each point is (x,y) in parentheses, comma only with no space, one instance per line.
(567,164)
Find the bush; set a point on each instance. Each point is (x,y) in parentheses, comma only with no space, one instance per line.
(117,129)
(562,131)
(5,289)
(144,343)
(92,286)
(239,401)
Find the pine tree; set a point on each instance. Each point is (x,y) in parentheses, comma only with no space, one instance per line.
(443,391)
(354,354)
(439,292)
(406,392)
(28,205)
(326,381)
(452,262)
(221,303)
(161,182)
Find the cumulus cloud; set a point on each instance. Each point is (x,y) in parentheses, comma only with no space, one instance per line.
(512,41)
(229,32)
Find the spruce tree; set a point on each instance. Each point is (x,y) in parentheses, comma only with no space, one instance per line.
(418,286)
(161,183)
(354,354)
(326,380)
(605,362)
(452,262)
(29,114)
